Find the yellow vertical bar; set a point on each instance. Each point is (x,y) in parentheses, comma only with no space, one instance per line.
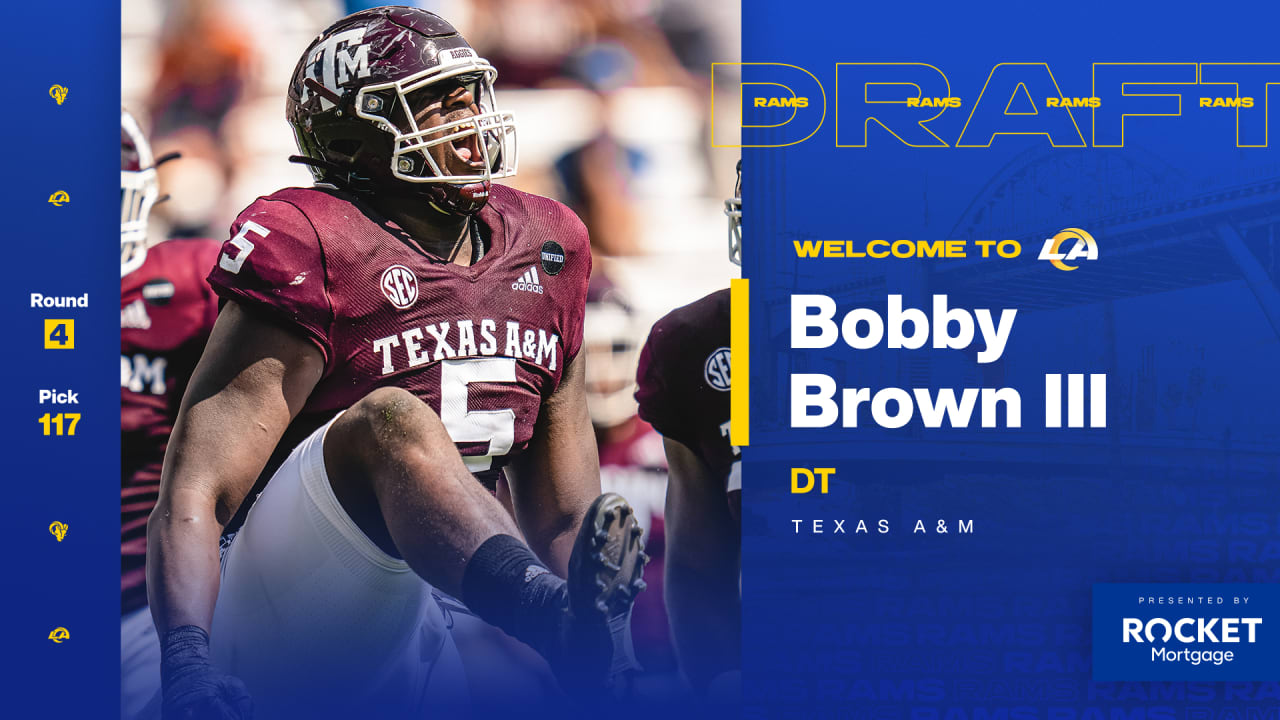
(739,363)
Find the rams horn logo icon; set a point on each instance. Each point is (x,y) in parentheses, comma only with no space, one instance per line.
(1084,247)
(59,530)
(59,198)
(59,634)
(58,93)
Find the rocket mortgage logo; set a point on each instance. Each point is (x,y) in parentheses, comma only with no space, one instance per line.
(1185,632)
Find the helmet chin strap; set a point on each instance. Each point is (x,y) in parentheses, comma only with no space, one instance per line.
(478,248)
(472,234)
(442,211)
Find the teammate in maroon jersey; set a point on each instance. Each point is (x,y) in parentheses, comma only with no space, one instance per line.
(166,312)
(683,391)
(415,323)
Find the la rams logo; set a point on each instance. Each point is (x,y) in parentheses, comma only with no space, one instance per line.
(716,370)
(400,286)
(1084,247)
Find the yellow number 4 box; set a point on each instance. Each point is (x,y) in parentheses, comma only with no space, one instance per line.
(59,334)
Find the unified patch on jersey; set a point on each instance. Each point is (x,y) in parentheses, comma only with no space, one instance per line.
(552,257)
(158,292)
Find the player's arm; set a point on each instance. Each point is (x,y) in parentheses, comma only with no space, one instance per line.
(252,380)
(702,558)
(558,477)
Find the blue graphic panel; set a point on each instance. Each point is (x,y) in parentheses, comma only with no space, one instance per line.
(59,362)
(948,570)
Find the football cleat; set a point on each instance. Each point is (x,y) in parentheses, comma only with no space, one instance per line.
(605,571)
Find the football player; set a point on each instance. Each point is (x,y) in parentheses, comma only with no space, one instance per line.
(683,391)
(417,326)
(166,312)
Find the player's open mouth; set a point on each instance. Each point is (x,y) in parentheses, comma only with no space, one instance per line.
(467,147)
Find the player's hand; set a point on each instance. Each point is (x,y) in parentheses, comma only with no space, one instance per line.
(193,689)
(207,695)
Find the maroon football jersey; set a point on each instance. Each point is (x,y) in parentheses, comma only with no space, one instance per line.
(682,384)
(166,313)
(483,345)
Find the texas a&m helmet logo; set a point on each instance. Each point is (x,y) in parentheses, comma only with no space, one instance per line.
(400,286)
(336,61)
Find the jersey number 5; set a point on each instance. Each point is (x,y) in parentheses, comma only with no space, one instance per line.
(498,427)
(243,246)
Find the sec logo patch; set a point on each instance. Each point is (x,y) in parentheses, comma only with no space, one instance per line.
(716,369)
(400,286)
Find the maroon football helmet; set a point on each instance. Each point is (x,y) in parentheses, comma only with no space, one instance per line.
(355,96)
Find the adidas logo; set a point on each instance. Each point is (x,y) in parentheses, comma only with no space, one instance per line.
(528,282)
(134,315)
